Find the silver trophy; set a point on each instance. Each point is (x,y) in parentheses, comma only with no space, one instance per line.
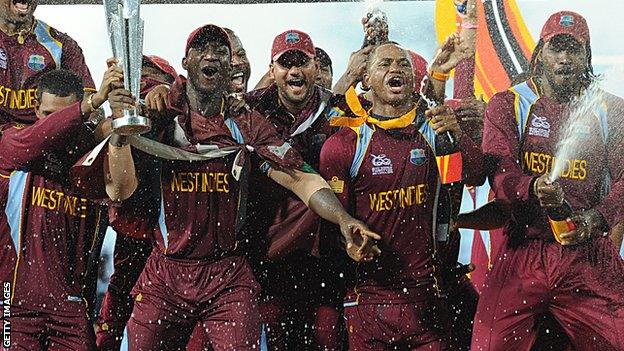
(125,29)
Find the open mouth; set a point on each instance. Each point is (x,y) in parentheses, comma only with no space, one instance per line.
(22,6)
(209,71)
(238,78)
(396,84)
(296,83)
(565,72)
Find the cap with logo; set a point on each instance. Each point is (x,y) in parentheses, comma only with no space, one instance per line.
(292,40)
(566,22)
(205,34)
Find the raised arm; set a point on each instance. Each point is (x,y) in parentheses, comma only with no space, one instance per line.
(354,72)
(120,176)
(52,132)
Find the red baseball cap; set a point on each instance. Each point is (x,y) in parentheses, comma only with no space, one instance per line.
(162,65)
(566,22)
(292,40)
(419,66)
(205,34)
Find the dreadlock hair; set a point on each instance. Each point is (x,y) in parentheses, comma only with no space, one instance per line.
(587,77)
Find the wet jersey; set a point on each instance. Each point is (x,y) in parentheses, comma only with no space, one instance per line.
(281,216)
(196,214)
(47,228)
(389,179)
(521,133)
(21,64)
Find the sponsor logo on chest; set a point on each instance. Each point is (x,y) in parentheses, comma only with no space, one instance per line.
(381,164)
(36,62)
(539,127)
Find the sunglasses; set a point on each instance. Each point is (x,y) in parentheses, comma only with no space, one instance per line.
(293,58)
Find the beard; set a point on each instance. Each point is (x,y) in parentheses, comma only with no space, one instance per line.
(565,88)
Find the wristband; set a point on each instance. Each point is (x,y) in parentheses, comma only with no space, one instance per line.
(443,77)
(469,25)
(90,102)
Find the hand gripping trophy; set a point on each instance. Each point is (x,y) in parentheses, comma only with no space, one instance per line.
(125,29)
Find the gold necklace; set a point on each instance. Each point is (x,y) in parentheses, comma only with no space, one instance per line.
(21,34)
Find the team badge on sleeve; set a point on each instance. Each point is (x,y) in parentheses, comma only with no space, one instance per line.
(418,157)
(36,62)
(3,59)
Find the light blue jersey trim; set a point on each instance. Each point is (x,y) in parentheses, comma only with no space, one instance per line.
(525,98)
(162,225)
(365,133)
(54,47)
(14,209)
(264,342)
(124,340)
(429,134)
(236,133)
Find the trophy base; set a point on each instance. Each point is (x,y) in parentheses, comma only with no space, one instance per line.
(131,125)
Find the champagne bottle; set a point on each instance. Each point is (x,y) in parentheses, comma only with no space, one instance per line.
(559,220)
(448,158)
(376,19)
(445,144)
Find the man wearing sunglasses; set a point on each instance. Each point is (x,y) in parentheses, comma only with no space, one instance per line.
(302,294)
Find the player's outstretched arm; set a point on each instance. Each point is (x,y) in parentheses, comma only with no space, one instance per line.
(314,191)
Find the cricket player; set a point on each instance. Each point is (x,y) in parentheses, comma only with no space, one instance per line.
(325,75)
(130,254)
(383,169)
(29,48)
(48,228)
(301,298)
(196,273)
(579,281)
(241,69)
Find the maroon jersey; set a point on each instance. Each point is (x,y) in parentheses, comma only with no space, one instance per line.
(195,217)
(389,180)
(306,131)
(281,216)
(48,229)
(21,65)
(591,178)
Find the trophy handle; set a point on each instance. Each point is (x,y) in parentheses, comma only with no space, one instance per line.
(131,124)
